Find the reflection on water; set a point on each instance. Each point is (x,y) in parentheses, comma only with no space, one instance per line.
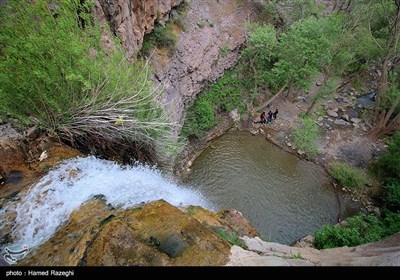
(283,197)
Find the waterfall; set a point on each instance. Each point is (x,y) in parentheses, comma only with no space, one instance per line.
(47,205)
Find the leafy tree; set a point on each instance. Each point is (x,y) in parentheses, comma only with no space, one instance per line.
(304,50)
(260,53)
(375,25)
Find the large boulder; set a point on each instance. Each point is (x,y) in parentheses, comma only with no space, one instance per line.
(156,233)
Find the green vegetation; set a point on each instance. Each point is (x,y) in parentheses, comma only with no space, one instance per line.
(388,169)
(232,238)
(161,37)
(306,135)
(297,256)
(393,195)
(360,229)
(55,74)
(191,209)
(201,24)
(222,96)
(346,175)
(223,51)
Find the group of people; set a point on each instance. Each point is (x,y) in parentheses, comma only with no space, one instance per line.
(265,120)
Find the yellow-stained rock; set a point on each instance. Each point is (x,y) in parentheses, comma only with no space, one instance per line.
(67,247)
(228,220)
(155,234)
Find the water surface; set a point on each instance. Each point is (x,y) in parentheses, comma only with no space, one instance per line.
(284,197)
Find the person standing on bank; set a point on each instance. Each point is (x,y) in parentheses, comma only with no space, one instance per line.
(275,113)
(270,116)
(262,118)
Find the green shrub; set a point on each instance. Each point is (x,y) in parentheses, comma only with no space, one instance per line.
(388,165)
(387,168)
(223,51)
(391,222)
(393,195)
(306,135)
(232,238)
(222,96)
(201,24)
(161,37)
(56,75)
(346,175)
(360,229)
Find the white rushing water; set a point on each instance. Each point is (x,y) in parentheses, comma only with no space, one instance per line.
(48,204)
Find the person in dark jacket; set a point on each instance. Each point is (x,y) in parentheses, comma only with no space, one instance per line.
(269,116)
(275,113)
(262,118)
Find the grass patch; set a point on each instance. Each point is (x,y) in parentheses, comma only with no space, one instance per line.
(191,210)
(223,51)
(306,135)
(346,175)
(232,238)
(297,256)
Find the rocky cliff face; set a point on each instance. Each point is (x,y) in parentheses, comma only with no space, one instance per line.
(208,45)
(214,33)
(130,20)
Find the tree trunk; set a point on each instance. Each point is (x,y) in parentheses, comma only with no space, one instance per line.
(382,116)
(266,103)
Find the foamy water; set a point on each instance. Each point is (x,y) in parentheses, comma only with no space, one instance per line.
(48,204)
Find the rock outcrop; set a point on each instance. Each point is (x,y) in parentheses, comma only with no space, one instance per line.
(209,44)
(214,33)
(156,233)
(261,253)
(130,20)
(159,234)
